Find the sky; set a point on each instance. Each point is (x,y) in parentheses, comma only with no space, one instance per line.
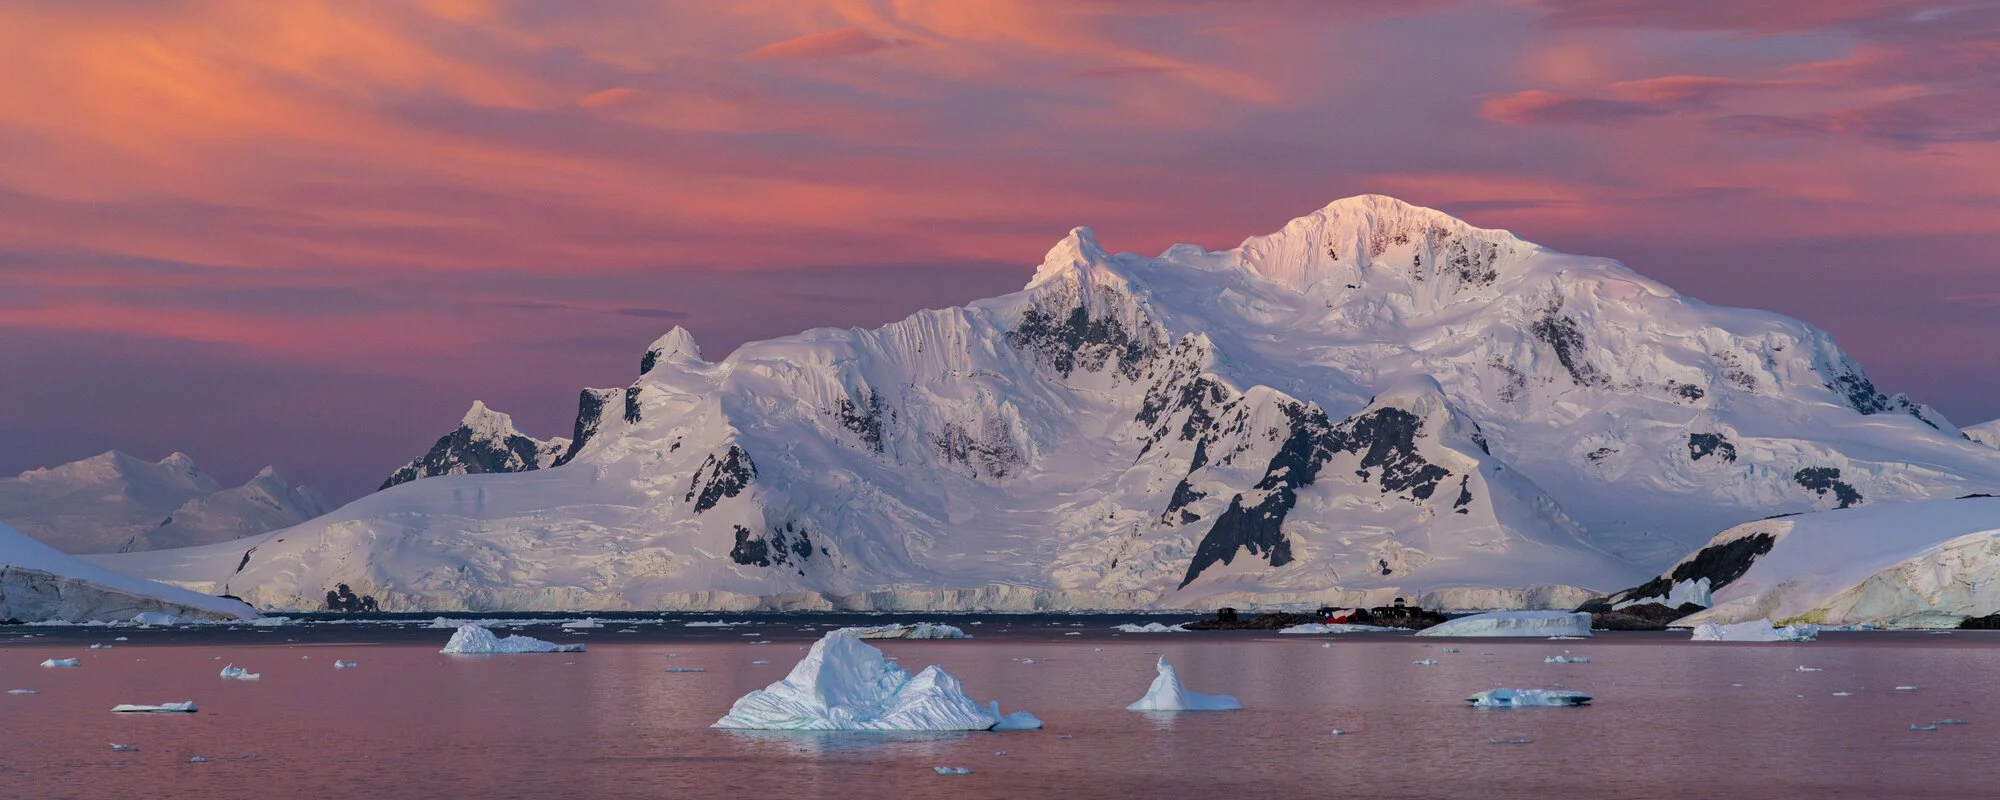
(310,234)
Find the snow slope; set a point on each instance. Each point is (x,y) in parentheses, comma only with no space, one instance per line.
(1376,401)
(1929,564)
(114,502)
(485,441)
(39,583)
(1986,433)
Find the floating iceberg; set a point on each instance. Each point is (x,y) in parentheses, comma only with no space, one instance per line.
(474,640)
(1566,660)
(582,623)
(1514,623)
(1167,694)
(22,691)
(100,646)
(921,630)
(711,624)
(1150,627)
(1428,662)
(1519,698)
(182,707)
(339,664)
(1017,721)
(1337,627)
(686,669)
(1756,630)
(236,673)
(125,748)
(147,618)
(62,662)
(953,770)
(844,684)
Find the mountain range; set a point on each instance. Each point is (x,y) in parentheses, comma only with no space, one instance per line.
(114,502)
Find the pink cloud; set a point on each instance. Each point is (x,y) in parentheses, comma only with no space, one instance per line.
(836,43)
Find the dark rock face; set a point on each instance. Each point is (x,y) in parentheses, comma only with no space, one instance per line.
(865,417)
(1464,495)
(632,404)
(589,415)
(343,599)
(1641,617)
(1685,391)
(1720,564)
(460,451)
(1068,338)
(1989,622)
(1562,334)
(718,478)
(786,545)
(1848,382)
(1410,617)
(1826,480)
(1703,445)
(990,453)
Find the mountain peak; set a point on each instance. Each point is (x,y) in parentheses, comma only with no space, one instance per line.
(1354,235)
(485,423)
(1075,252)
(677,346)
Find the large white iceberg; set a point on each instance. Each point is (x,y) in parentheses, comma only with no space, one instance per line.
(1517,698)
(1756,630)
(1167,694)
(844,684)
(1514,623)
(474,640)
(921,630)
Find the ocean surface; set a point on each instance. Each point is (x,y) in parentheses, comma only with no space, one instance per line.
(1672,718)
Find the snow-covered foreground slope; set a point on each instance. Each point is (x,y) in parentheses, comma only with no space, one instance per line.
(484,441)
(1376,401)
(114,502)
(1986,433)
(1928,564)
(39,583)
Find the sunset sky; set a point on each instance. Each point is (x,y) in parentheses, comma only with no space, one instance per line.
(310,234)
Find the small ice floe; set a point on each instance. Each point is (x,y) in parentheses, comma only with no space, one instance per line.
(844,684)
(1017,721)
(475,640)
(121,639)
(1566,660)
(22,691)
(1511,741)
(711,624)
(921,630)
(125,748)
(1337,732)
(1948,722)
(1167,694)
(236,673)
(1756,630)
(1843,694)
(1150,627)
(1449,650)
(1804,668)
(147,619)
(1027,660)
(183,707)
(197,760)
(1906,688)
(1923,727)
(760,661)
(1073,633)
(952,770)
(339,664)
(1428,662)
(100,646)
(1514,623)
(1521,698)
(62,662)
(686,669)
(582,623)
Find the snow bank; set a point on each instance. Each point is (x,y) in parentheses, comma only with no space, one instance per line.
(1167,694)
(1519,698)
(1150,627)
(1756,630)
(844,684)
(474,640)
(1514,623)
(1337,627)
(183,707)
(921,630)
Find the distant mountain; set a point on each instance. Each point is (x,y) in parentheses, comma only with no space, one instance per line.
(39,584)
(485,441)
(114,502)
(1986,433)
(1376,401)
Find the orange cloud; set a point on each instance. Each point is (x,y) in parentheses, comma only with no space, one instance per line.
(836,43)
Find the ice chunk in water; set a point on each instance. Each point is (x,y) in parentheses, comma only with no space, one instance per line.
(921,630)
(582,623)
(1514,623)
(1167,694)
(1150,627)
(1428,662)
(475,640)
(844,684)
(62,662)
(183,707)
(1906,688)
(197,760)
(1518,698)
(22,691)
(149,618)
(1017,721)
(1567,660)
(1804,668)
(686,669)
(339,664)
(952,770)
(1756,630)
(100,646)
(237,673)
(125,748)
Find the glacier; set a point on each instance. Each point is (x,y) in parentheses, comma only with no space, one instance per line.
(39,583)
(844,684)
(1167,694)
(1514,623)
(1376,401)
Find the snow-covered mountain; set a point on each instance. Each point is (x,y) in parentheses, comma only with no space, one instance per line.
(39,583)
(485,441)
(1986,433)
(1376,401)
(114,502)
(1923,564)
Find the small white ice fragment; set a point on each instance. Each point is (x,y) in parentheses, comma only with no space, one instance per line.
(22,691)
(125,748)
(1567,660)
(339,664)
(197,760)
(120,639)
(1511,741)
(1338,732)
(1167,694)
(952,770)
(1804,668)
(237,673)
(1449,650)
(1150,627)
(1074,633)
(686,669)
(1948,722)
(100,646)
(183,707)
(1906,688)
(760,661)
(583,623)
(1923,727)
(1428,662)
(1843,694)
(1517,698)
(62,662)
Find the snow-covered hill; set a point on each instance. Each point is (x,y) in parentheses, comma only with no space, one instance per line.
(1924,564)
(39,583)
(113,502)
(485,441)
(1376,401)
(1986,433)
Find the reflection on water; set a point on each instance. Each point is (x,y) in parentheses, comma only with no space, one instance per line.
(1671,719)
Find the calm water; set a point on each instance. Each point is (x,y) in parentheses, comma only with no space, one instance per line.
(1668,721)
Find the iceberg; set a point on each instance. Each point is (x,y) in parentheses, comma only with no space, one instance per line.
(1566,660)
(1428,662)
(1337,627)
(22,691)
(844,684)
(1150,627)
(1756,630)
(1514,623)
(953,770)
(182,707)
(1519,698)
(921,630)
(339,664)
(62,662)
(236,673)
(1017,721)
(474,640)
(582,623)
(125,748)
(1167,694)
(149,618)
